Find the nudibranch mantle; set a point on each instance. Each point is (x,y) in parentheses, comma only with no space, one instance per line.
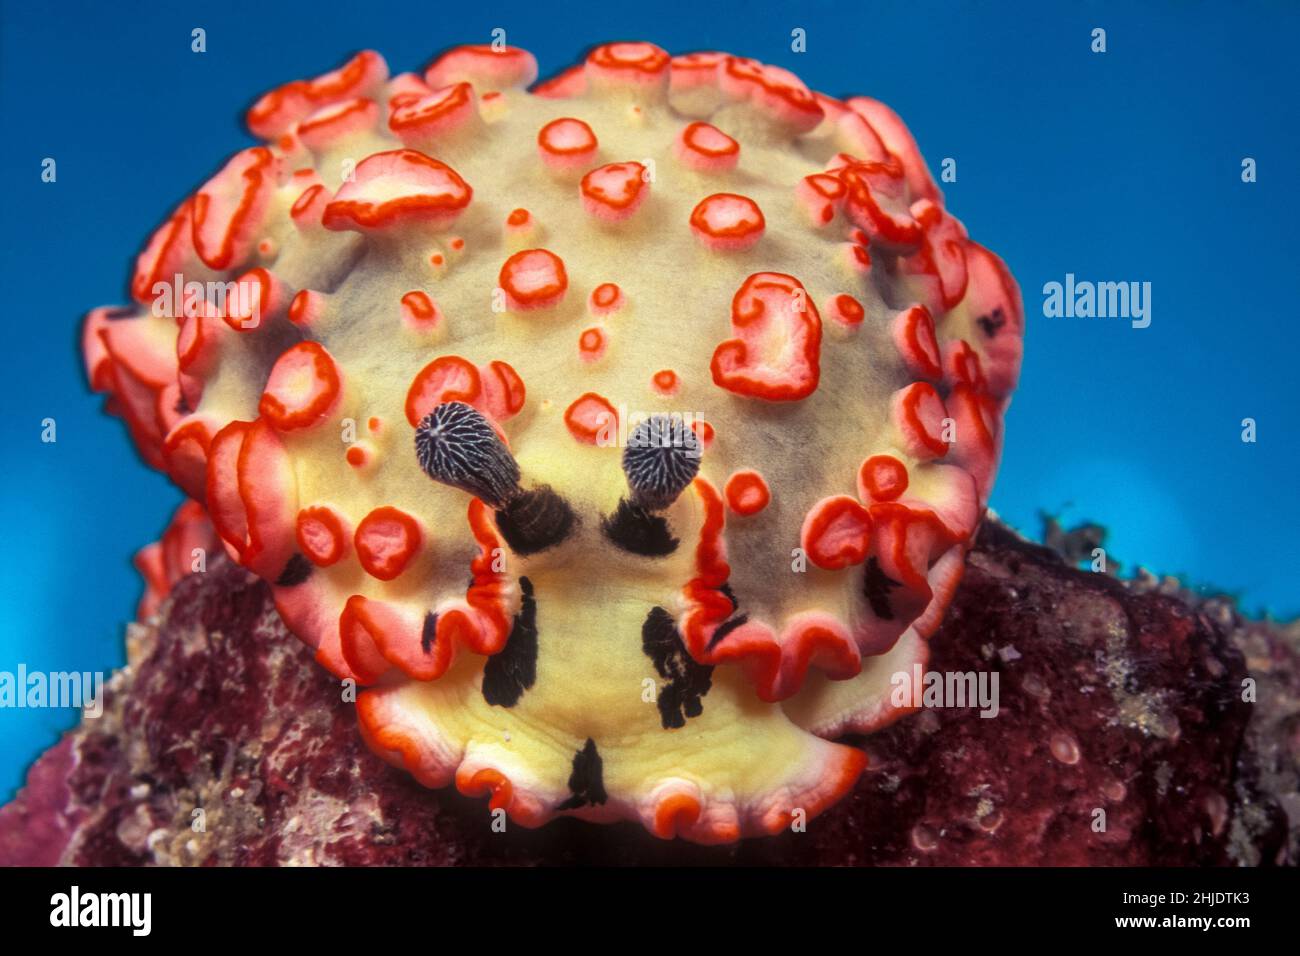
(622,437)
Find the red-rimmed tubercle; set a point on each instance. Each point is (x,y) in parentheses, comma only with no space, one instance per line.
(615,191)
(705,148)
(747,492)
(138,368)
(221,494)
(776,352)
(881,478)
(485,66)
(387,540)
(775,93)
(592,344)
(230,210)
(846,311)
(666,382)
(420,313)
(278,111)
(425,118)
(333,124)
(397,187)
(876,200)
(921,422)
(636,67)
(727,222)
(913,334)
(898,140)
(185,451)
(567,144)
(268,492)
(533,279)
(170,250)
(304,388)
(836,533)
(495,388)
(185,546)
(308,210)
(606,299)
(941,257)
(820,196)
(689,71)
(324,534)
(591,418)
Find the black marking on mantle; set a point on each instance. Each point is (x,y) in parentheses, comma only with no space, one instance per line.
(296,570)
(876,586)
(535,520)
(686,679)
(992,322)
(638,530)
(513,669)
(586,782)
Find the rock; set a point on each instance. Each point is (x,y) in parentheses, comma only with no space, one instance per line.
(1121,737)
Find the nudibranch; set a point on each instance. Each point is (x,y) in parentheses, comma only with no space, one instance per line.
(620,435)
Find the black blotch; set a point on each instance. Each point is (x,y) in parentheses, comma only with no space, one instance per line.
(535,520)
(119,313)
(587,780)
(638,531)
(430,632)
(687,680)
(513,669)
(730,594)
(296,570)
(182,406)
(992,322)
(876,586)
(725,628)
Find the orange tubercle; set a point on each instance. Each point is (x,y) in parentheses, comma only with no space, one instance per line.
(386,540)
(533,279)
(303,387)
(747,492)
(605,299)
(590,418)
(882,478)
(665,381)
(322,534)
(591,344)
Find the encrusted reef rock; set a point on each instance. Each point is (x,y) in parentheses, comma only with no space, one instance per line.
(1125,733)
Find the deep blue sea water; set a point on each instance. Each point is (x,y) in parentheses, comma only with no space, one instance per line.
(1122,166)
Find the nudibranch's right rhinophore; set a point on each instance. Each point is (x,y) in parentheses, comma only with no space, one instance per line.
(623,437)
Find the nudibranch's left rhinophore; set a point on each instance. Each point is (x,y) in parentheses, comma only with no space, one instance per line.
(623,437)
